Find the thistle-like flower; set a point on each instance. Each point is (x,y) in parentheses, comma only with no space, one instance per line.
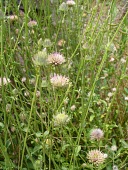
(59,80)
(96,134)
(60,119)
(56,59)
(4,81)
(96,157)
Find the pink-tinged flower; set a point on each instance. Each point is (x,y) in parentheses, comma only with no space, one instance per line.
(59,80)
(61,42)
(4,81)
(70,3)
(32,23)
(23,79)
(56,59)
(13,17)
(96,157)
(73,107)
(96,134)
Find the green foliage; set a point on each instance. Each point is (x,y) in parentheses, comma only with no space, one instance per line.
(49,108)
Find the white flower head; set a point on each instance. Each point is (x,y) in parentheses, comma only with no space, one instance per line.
(4,81)
(105,155)
(70,3)
(96,157)
(123,60)
(32,23)
(23,79)
(114,89)
(96,134)
(112,59)
(126,98)
(113,148)
(13,17)
(56,59)
(60,119)
(110,94)
(115,167)
(73,107)
(59,80)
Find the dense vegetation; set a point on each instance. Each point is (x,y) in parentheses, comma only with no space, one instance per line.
(63,85)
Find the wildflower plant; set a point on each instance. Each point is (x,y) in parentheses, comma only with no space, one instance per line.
(63,84)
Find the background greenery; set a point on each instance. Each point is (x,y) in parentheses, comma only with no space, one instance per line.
(92,36)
